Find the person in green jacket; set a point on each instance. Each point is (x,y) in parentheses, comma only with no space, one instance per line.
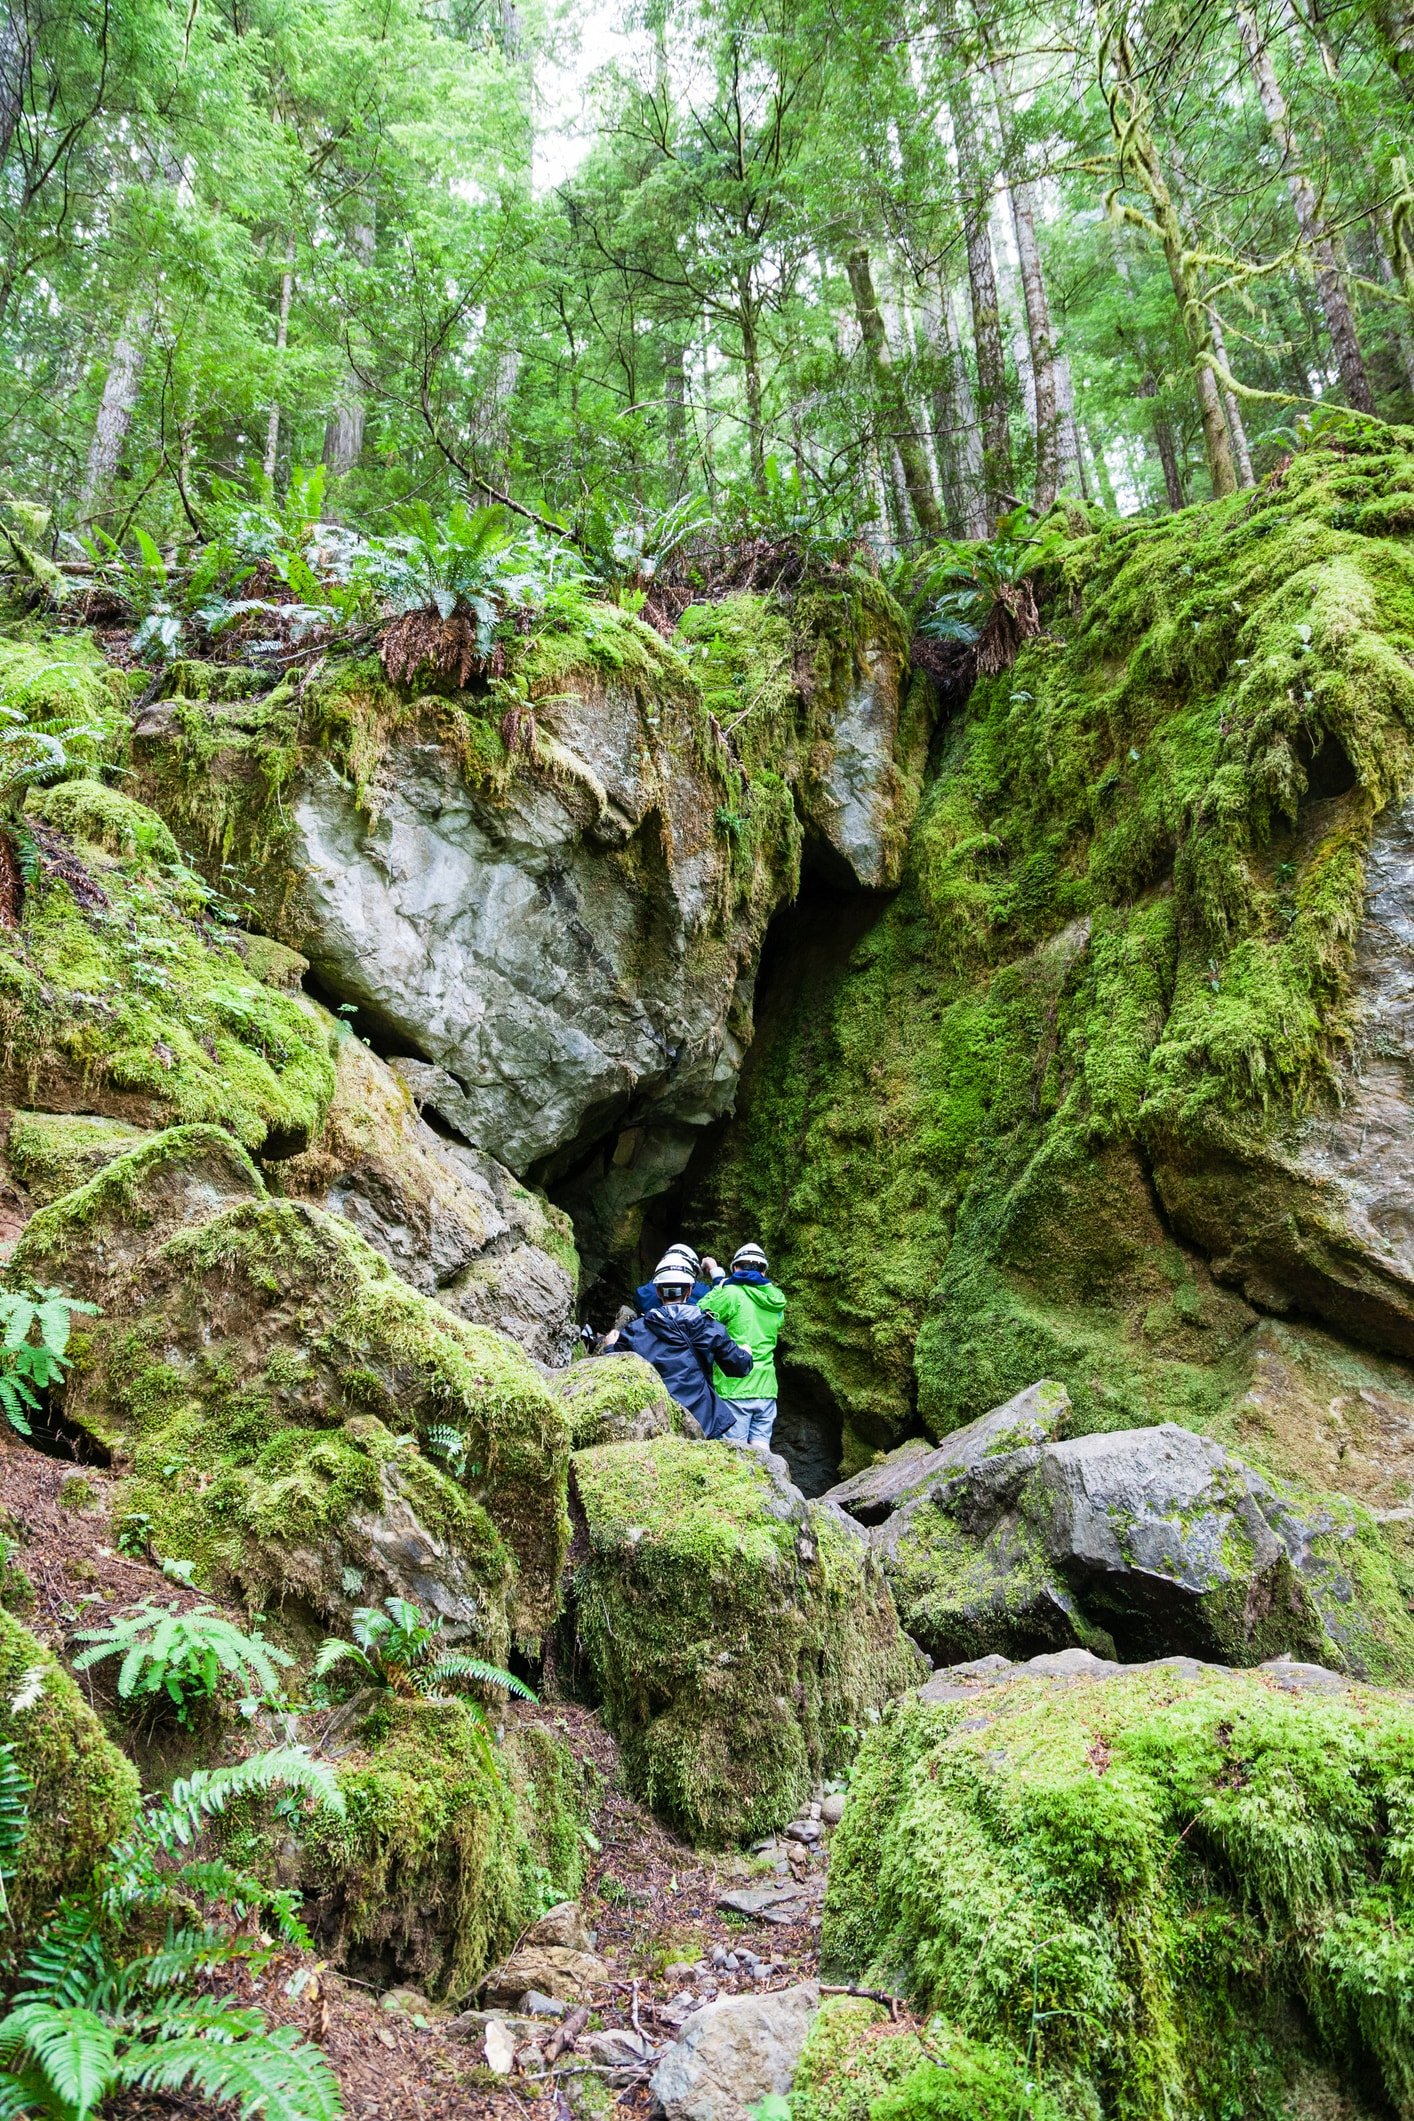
(751,1307)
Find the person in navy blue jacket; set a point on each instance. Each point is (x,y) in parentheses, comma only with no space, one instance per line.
(682,1343)
(646,1294)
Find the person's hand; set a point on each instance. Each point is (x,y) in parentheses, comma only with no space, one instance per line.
(710,1268)
(610,1339)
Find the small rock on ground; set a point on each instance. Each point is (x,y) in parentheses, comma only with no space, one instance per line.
(731,2054)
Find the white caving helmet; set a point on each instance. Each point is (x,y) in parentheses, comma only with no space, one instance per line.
(683,1256)
(672,1279)
(751,1257)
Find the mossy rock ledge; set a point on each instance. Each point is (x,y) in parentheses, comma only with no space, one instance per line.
(1010,1538)
(289,1414)
(1164,1889)
(737,1637)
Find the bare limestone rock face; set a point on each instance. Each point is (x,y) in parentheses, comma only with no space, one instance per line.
(449,1219)
(561,928)
(1147,1539)
(1318,1216)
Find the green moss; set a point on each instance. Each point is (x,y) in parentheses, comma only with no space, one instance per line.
(118,996)
(54,1152)
(1126,922)
(613,1400)
(82,1792)
(737,1641)
(61,685)
(1154,1883)
(93,815)
(448,1848)
(855,2054)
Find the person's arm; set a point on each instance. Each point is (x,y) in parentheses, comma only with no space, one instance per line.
(726,1353)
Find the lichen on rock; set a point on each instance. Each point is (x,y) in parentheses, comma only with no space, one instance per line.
(737,1637)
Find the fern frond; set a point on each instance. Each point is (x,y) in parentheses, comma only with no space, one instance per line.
(174,1821)
(335,1651)
(274,2075)
(14,1819)
(73,2048)
(67,1963)
(455,1666)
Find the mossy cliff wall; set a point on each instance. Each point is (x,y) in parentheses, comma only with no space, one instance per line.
(1072,1107)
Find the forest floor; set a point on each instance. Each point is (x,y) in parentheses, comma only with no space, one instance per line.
(651,1899)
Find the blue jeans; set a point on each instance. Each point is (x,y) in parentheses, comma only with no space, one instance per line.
(755,1419)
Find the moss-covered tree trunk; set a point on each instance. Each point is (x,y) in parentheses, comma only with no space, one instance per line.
(898,417)
(1138,164)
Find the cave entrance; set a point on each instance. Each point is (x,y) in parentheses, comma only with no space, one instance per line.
(804,954)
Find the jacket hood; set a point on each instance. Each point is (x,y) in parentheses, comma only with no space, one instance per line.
(764,1292)
(681,1323)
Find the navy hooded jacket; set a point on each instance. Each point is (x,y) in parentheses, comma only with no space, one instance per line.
(682,1343)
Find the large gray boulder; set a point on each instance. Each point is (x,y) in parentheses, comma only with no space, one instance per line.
(1135,1543)
(565,935)
(734,2053)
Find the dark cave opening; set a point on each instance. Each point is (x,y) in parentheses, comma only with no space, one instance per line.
(805,950)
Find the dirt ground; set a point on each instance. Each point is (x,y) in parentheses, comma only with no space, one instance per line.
(650,1898)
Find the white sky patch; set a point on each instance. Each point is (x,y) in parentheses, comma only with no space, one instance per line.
(587,34)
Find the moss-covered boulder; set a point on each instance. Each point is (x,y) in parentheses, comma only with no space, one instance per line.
(53,1152)
(81,1791)
(450,1845)
(737,1637)
(1176,1889)
(289,1414)
(453,1222)
(615,1399)
(860,2065)
(1125,1064)
(120,996)
(556,887)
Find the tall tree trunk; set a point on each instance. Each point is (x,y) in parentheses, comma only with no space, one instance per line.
(14,74)
(1330,280)
(1237,432)
(282,339)
(1021,193)
(1140,165)
(116,408)
(675,410)
(898,417)
(343,431)
(1164,442)
(755,418)
(993,413)
(1103,481)
(974,192)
